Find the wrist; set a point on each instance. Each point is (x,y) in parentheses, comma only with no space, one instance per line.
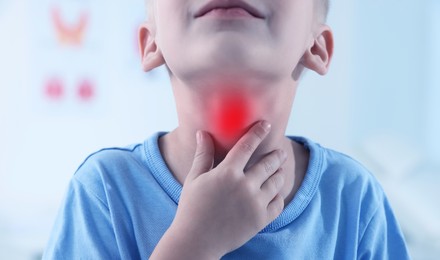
(194,242)
(177,243)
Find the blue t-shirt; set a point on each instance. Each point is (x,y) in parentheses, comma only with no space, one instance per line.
(122,200)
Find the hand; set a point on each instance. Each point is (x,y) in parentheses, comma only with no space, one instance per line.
(221,209)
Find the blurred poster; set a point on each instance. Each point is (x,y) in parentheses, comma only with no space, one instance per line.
(69,60)
(70,83)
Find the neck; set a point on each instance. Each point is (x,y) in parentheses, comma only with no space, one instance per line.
(213,108)
(226,111)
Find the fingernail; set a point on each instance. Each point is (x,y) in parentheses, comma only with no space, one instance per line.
(266,126)
(199,137)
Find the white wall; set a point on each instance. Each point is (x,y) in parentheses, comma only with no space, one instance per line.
(432,93)
(43,141)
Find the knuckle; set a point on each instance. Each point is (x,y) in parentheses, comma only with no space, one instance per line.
(227,170)
(199,155)
(246,147)
(226,176)
(280,177)
(231,177)
(275,182)
(268,167)
(281,155)
(235,175)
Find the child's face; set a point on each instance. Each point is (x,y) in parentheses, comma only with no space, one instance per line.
(220,44)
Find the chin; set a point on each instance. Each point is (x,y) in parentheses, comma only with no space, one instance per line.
(228,72)
(231,50)
(215,62)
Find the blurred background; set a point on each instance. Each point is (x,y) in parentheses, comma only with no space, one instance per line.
(71,83)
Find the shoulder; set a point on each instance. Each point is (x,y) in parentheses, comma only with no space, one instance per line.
(337,169)
(348,193)
(342,179)
(111,155)
(345,167)
(342,171)
(348,173)
(109,159)
(108,166)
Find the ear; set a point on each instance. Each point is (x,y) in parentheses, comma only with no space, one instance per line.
(319,54)
(151,55)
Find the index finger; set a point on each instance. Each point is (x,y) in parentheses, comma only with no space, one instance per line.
(242,151)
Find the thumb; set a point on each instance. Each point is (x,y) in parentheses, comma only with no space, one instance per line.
(203,157)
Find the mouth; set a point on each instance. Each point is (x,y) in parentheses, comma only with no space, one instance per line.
(233,6)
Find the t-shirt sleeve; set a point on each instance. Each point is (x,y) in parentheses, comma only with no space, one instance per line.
(382,238)
(83,228)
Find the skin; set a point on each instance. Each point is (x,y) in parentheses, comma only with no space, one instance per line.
(253,175)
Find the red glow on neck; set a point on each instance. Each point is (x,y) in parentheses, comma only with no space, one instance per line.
(230,115)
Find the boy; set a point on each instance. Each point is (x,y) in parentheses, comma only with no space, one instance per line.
(227,183)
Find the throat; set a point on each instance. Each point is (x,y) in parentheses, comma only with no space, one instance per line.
(230,115)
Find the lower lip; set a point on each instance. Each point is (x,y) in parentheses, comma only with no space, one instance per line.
(235,12)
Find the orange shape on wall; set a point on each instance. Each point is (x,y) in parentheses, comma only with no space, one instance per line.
(70,34)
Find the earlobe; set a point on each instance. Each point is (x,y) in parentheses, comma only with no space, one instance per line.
(151,55)
(319,54)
